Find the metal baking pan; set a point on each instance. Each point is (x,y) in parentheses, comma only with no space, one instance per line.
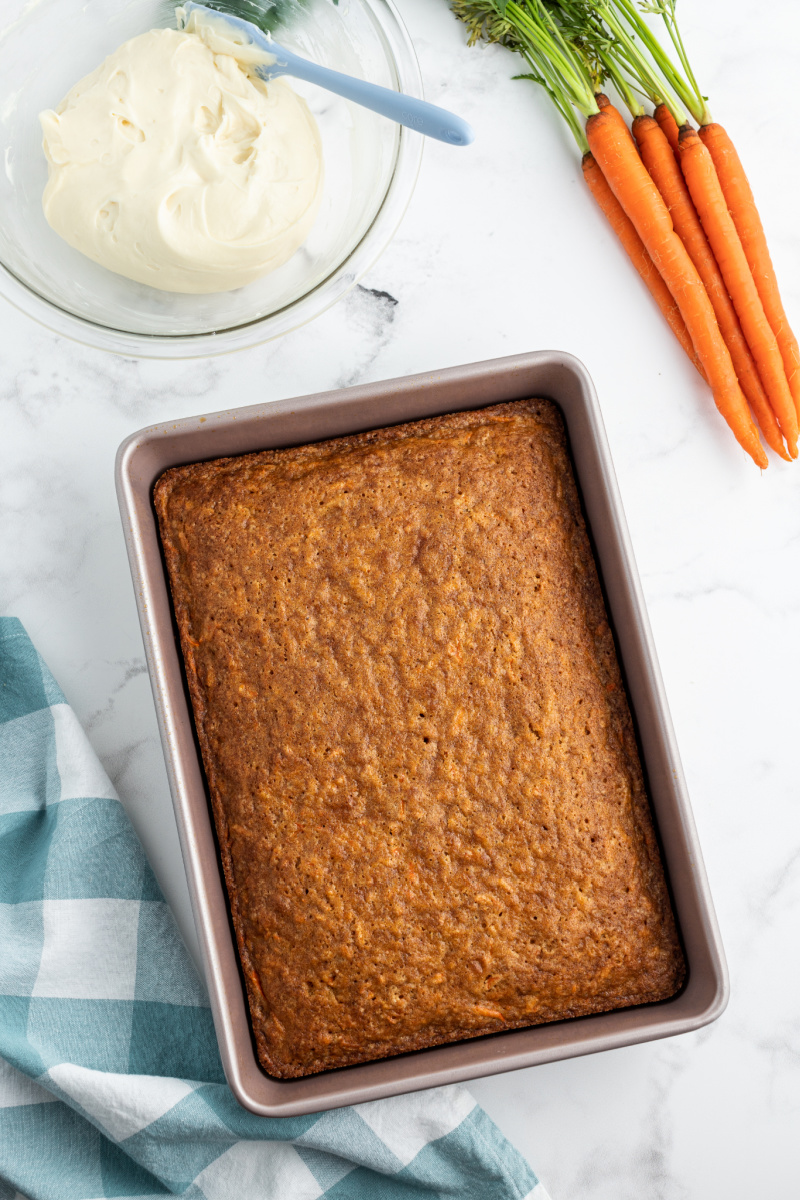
(561,378)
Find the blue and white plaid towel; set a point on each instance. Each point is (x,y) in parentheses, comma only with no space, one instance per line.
(110,1080)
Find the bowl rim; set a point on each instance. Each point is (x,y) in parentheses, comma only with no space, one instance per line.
(327,292)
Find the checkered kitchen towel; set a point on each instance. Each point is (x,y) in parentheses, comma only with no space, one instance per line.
(110,1080)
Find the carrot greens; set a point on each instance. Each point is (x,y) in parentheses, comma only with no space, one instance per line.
(685,86)
(554,63)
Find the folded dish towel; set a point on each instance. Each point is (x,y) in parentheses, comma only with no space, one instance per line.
(110,1080)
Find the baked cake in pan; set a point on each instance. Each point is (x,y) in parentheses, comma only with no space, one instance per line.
(421,762)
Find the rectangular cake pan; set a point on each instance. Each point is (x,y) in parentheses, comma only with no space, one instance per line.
(559,377)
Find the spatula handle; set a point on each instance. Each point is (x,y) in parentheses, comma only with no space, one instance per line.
(406,110)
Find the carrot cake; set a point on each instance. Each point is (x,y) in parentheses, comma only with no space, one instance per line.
(421,762)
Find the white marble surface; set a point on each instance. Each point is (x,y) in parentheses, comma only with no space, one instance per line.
(502,251)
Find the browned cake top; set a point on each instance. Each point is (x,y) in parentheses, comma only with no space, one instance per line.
(419,752)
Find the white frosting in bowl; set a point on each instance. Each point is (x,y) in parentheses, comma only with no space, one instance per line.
(172,165)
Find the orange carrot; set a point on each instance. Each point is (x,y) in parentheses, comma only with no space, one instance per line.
(628,178)
(704,187)
(632,244)
(739,198)
(659,159)
(669,126)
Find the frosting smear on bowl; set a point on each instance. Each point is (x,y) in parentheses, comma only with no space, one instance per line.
(175,165)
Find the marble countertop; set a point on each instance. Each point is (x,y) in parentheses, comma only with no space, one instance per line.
(501,252)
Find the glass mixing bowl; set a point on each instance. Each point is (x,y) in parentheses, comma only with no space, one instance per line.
(371,167)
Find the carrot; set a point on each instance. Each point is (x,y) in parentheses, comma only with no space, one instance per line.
(705,190)
(742,207)
(628,178)
(669,127)
(632,244)
(658,157)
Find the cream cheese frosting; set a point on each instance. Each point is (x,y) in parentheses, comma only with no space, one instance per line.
(176,166)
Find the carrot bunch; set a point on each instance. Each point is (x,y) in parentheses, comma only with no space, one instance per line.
(677,197)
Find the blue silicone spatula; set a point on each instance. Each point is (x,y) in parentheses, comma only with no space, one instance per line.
(405,110)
